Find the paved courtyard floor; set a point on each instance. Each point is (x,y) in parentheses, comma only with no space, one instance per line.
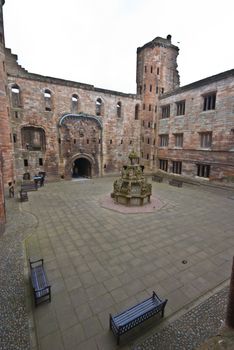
(100,261)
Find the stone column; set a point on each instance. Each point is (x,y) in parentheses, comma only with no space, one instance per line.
(230,306)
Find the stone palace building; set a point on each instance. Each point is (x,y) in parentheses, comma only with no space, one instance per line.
(69,129)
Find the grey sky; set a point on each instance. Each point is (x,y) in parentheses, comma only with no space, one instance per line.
(95,42)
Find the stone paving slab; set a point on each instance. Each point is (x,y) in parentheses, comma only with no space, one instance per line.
(100,262)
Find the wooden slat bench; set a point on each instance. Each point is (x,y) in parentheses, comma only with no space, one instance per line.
(29,186)
(157,178)
(41,287)
(132,317)
(174,182)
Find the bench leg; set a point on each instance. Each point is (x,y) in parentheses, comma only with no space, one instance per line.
(118,337)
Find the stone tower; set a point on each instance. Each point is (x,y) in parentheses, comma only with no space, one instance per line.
(6,160)
(156,74)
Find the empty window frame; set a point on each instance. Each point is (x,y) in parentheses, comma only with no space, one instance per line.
(209,101)
(203,170)
(205,139)
(180,108)
(119,109)
(25,162)
(40,161)
(163,139)
(179,140)
(177,167)
(14,138)
(74,103)
(99,106)
(15,96)
(48,100)
(150,88)
(137,112)
(163,164)
(33,139)
(165,111)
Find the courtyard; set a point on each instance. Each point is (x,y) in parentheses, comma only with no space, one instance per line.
(100,261)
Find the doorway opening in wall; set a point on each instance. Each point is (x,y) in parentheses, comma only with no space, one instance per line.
(81,168)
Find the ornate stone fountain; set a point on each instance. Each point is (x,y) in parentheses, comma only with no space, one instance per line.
(132,188)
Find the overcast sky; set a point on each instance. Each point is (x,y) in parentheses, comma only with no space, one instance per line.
(95,42)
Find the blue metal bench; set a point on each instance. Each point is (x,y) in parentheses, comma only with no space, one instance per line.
(130,318)
(41,288)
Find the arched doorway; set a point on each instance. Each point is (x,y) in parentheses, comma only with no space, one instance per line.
(81,168)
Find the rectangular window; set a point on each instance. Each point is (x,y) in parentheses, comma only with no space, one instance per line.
(178,140)
(203,170)
(209,101)
(145,69)
(149,107)
(143,106)
(157,71)
(150,88)
(151,69)
(163,164)
(176,167)
(25,162)
(14,138)
(147,156)
(180,108)
(164,140)
(205,139)
(40,161)
(165,111)
(156,89)
(148,141)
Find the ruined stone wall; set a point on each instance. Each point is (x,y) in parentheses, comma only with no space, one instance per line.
(195,121)
(156,74)
(109,148)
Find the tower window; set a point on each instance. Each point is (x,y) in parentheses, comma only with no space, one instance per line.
(157,71)
(14,138)
(137,112)
(25,162)
(151,69)
(119,110)
(145,69)
(156,89)
(40,161)
(150,88)
(149,107)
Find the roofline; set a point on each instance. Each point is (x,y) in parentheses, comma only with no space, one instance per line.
(58,81)
(199,83)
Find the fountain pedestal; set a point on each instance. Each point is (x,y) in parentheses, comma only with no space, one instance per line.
(132,188)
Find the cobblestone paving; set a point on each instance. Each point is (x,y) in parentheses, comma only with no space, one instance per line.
(190,330)
(14,329)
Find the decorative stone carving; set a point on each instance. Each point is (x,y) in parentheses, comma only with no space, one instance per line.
(132,188)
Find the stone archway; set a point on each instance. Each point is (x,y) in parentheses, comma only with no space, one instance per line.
(82,167)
